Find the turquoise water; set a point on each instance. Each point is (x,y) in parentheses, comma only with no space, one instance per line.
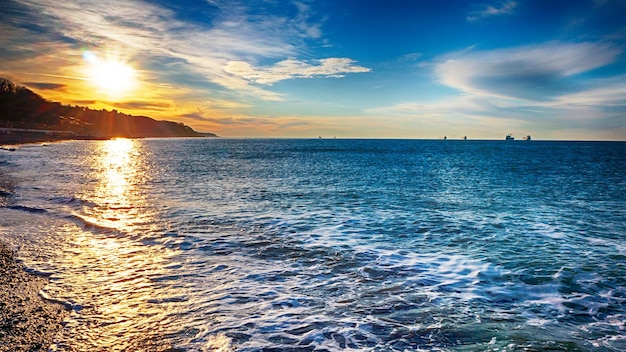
(312,245)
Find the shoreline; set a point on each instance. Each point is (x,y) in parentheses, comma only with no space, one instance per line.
(27,321)
(17,138)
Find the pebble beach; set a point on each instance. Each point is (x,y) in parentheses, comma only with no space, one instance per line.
(27,321)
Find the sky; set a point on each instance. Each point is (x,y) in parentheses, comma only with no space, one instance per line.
(345,68)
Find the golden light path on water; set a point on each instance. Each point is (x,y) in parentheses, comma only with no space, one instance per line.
(116,167)
(121,282)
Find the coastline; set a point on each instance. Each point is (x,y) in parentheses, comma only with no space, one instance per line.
(16,138)
(27,137)
(27,321)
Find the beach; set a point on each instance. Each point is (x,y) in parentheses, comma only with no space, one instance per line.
(27,322)
(24,136)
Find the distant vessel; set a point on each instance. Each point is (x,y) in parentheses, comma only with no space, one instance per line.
(527,138)
(509,137)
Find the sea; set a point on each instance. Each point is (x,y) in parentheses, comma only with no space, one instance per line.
(215,244)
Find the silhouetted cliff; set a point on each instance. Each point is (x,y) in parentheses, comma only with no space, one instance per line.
(22,108)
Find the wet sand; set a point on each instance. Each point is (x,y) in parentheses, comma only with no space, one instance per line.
(27,321)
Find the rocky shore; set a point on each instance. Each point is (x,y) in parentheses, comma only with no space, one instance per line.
(27,322)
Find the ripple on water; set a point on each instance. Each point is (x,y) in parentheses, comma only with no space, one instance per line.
(252,248)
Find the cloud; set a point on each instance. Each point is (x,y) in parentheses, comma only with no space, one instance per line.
(302,22)
(456,111)
(151,35)
(232,121)
(44,85)
(223,104)
(84,102)
(292,68)
(526,88)
(538,72)
(603,93)
(505,8)
(411,57)
(144,105)
(198,116)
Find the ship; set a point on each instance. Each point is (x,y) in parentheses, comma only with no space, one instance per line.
(509,137)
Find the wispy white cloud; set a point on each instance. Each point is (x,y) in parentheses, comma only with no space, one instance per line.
(292,68)
(485,11)
(525,86)
(153,34)
(307,28)
(537,72)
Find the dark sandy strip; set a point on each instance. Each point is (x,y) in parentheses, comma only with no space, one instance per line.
(15,138)
(27,322)
(23,138)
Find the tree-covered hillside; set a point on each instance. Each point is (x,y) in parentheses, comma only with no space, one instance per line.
(24,109)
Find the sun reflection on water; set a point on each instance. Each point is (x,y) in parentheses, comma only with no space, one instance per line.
(116,274)
(126,276)
(117,169)
(113,284)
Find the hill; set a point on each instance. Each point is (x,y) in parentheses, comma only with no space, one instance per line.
(22,109)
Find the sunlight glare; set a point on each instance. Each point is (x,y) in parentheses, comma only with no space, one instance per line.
(116,167)
(111,76)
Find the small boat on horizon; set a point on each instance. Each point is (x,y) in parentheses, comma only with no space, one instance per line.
(509,137)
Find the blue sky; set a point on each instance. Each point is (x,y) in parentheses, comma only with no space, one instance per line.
(345,68)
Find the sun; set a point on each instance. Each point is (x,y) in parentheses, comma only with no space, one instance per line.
(111,76)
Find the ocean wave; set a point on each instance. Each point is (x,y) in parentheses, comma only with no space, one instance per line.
(293,245)
(28,209)
(72,201)
(87,224)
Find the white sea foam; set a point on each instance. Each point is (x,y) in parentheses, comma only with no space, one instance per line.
(357,245)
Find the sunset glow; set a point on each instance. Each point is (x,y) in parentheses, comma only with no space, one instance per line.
(111,77)
(404,69)
(315,175)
